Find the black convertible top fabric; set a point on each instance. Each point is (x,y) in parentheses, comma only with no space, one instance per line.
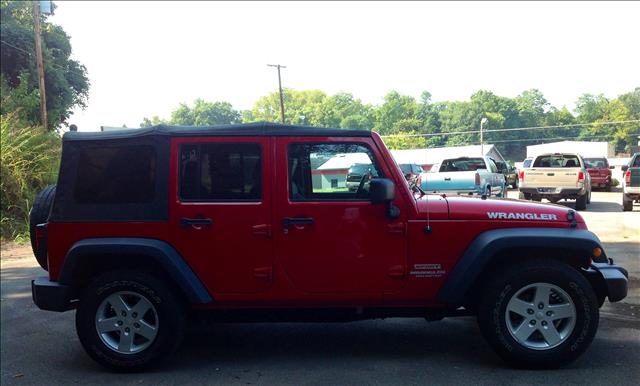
(245,129)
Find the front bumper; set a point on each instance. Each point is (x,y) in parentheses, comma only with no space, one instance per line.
(52,296)
(615,279)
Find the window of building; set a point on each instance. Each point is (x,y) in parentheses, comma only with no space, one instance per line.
(221,172)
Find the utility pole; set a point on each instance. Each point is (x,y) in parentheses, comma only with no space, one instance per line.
(482,122)
(280,88)
(38,41)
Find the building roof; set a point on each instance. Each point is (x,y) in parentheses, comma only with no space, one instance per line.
(245,129)
(345,161)
(433,155)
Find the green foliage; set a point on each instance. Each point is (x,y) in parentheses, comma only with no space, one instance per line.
(408,123)
(66,81)
(29,162)
(201,114)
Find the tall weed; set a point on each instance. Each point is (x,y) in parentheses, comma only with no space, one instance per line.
(29,161)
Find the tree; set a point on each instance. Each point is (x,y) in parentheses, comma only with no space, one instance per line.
(201,114)
(66,81)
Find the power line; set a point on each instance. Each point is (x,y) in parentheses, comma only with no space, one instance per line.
(514,129)
(555,138)
(49,63)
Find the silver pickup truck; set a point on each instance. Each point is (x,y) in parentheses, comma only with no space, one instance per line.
(555,177)
(465,176)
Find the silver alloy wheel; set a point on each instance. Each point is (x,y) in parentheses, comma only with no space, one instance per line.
(127,322)
(540,316)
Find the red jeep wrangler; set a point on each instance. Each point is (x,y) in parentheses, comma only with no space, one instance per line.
(255,222)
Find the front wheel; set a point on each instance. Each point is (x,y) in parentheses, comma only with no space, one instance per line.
(539,314)
(127,320)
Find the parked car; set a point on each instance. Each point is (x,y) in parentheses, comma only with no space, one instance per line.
(599,172)
(411,173)
(510,174)
(359,174)
(146,225)
(526,163)
(465,176)
(631,183)
(555,177)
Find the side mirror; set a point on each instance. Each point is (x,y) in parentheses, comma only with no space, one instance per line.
(624,168)
(612,167)
(382,190)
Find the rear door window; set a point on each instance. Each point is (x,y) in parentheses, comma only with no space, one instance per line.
(221,172)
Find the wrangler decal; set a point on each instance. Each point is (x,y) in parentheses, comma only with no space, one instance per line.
(522,216)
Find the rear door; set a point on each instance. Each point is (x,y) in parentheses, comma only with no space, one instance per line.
(331,240)
(221,211)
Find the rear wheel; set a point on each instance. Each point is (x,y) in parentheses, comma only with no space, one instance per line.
(129,320)
(542,313)
(581,202)
(627,204)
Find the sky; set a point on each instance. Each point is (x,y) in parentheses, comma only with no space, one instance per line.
(144,58)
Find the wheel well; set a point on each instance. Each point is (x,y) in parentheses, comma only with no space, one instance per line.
(508,257)
(91,266)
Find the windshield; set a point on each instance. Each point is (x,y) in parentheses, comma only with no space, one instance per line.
(360,169)
(557,161)
(462,165)
(596,163)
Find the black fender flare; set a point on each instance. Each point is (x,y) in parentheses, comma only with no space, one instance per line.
(490,243)
(161,252)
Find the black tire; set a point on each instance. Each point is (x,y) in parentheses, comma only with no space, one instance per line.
(506,283)
(40,214)
(581,202)
(627,205)
(170,322)
(607,188)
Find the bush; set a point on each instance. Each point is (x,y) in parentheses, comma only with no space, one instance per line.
(29,162)
(615,182)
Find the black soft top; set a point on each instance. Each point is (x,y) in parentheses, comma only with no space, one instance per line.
(245,129)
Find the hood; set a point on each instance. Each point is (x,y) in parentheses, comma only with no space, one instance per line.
(501,209)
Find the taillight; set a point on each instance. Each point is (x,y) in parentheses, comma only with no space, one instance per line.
(627,177)
(477,178)
(521,175)
(580,177)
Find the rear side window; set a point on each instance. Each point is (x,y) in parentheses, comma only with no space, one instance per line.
(636,162)
(462,164)
(526,163)
(596,163)
(557,161)
(221,172)
(116,175)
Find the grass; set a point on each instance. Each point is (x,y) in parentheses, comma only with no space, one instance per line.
(29,162)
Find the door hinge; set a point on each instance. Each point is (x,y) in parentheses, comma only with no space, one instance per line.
(398,271)
(397,228)
(263,273)
(262,230)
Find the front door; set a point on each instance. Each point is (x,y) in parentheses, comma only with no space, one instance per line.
(221,219)
(330,237)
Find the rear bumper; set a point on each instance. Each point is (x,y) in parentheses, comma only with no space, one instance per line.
(600,180)
(557,192)
(615,279)
(51,296)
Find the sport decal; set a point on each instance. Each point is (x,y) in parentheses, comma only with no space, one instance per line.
(427,270)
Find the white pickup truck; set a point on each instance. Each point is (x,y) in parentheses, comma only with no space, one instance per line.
(555,177)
